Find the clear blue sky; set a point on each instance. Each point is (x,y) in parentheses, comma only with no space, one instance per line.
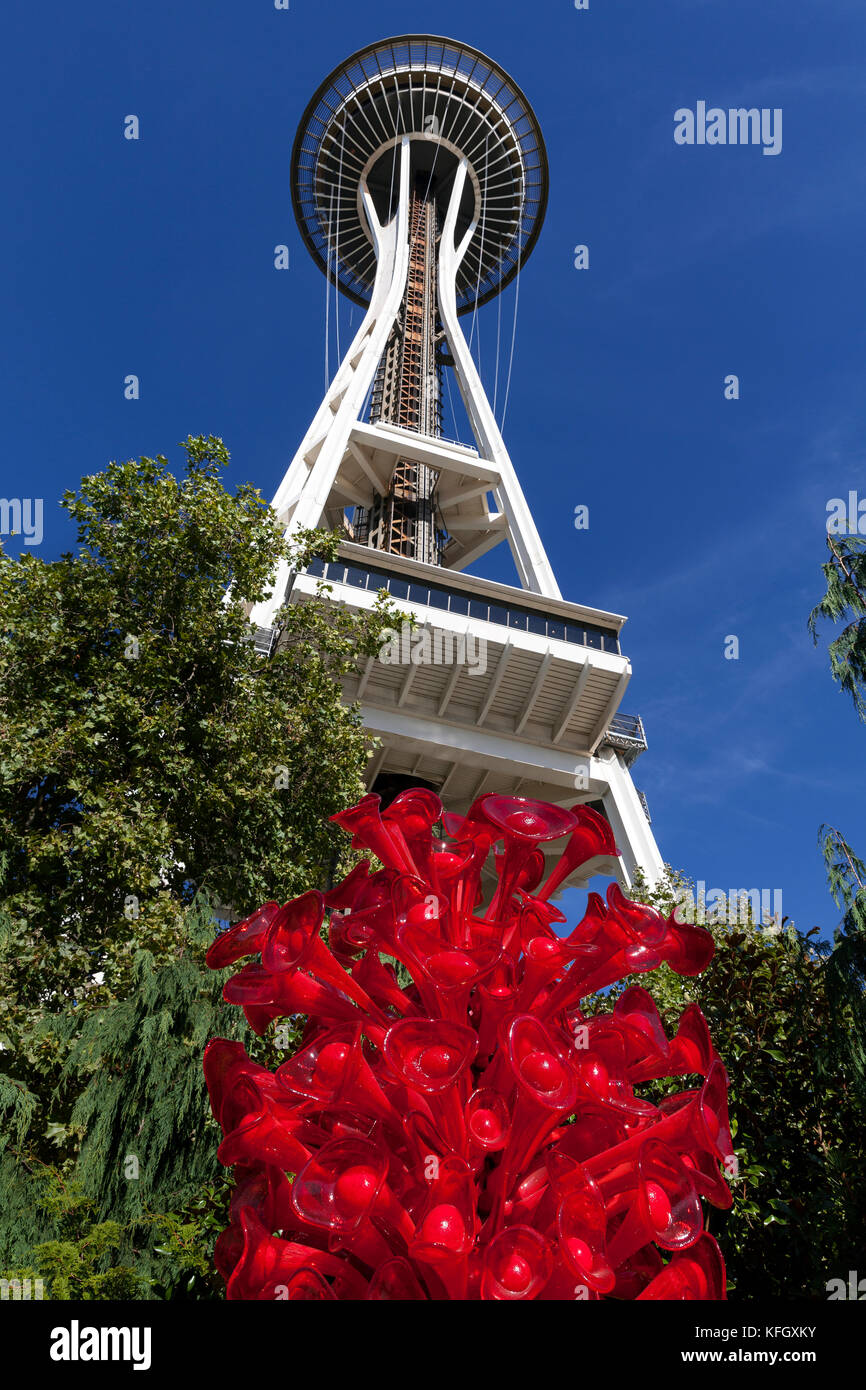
(707,516)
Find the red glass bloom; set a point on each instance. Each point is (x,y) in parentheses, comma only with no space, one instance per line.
(470,1129)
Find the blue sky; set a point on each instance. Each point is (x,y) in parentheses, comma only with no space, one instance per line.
(707,516)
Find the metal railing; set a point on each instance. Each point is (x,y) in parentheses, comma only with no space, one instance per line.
(628,726)
(626,734)
(263,640)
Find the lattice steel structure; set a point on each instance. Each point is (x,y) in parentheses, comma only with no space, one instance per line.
(407,393)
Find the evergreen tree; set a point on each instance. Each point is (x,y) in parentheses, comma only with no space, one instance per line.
(844,601)
(846,968)
(148,1140)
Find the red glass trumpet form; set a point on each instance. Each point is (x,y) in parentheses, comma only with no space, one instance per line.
(467,1129)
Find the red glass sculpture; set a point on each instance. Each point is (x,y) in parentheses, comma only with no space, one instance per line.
(468,1133)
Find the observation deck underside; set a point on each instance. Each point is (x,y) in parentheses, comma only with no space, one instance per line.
(453,103)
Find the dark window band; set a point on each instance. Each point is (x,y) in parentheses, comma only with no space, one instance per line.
(456,601)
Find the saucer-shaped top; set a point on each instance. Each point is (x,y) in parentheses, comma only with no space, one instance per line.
(453,104)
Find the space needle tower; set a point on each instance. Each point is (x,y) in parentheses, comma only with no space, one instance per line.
(419,184)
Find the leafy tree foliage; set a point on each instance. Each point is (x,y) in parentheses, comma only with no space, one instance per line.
(146,750)
(50,1233)
(143,1113)
(151,763)
(846,968)
(137,1213)
(844,601)
(799,1123)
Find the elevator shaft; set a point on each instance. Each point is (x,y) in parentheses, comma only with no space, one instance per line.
(407,392)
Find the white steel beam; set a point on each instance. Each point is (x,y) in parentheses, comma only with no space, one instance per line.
(498,677)
(534,692)
(532,563)
(345,397)
(449,690)
(448,776)
(374,766)
(406,686)
(609,710)
(365,676)
(377,484)
(572,703)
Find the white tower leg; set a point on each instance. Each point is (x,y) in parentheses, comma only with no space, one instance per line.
(532,563)
(629,823)
(303,494)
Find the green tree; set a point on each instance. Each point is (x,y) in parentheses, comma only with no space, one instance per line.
(50,1232)
(846,967)
(143,1112)
(146,750)
(150,759)
(139,1208)
(844,601)
(799,1125)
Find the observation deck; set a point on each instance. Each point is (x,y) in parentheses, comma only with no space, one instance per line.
(529,709)
(453,103)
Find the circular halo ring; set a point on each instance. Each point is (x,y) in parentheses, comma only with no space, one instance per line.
(452,101)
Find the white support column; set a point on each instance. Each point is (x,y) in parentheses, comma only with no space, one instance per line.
(303,494)
(508,757)
(630,826)
(532,563)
